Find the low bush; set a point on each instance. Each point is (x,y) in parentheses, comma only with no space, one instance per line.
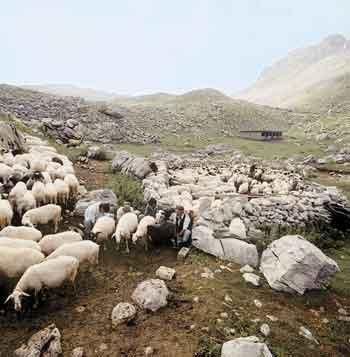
(127,189)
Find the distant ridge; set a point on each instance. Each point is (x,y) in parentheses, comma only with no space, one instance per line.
(289,82)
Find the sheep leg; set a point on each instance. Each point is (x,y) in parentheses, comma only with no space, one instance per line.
(127,251)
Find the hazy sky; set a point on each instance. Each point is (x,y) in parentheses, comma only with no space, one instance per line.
(143,46)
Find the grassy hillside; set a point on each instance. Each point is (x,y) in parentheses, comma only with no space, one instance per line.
(201,114)
(288,82)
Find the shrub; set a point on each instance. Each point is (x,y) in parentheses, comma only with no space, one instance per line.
(127,189)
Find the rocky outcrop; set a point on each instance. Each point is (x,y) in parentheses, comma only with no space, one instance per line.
(123,313)
(230,249)
(131,165)
(11,140)
(70,119)
(103,195)
(293,264)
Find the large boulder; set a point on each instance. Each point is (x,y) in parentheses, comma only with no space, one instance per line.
(11,140)
(46,342)
(151,294)
(293,264)
(238,229)
(245,347)
(138,167)
(92,197)
(230,249)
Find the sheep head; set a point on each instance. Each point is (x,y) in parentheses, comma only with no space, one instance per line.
(16,296)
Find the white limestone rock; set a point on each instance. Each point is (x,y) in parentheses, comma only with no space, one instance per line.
(151,294)
(123,313)
(165,273)
(292,264)
(245,347)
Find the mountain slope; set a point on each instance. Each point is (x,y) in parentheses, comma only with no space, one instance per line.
(67,90)
(285,83)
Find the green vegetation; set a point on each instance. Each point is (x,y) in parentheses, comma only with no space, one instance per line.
(127,189)
(341,283)
(18,124)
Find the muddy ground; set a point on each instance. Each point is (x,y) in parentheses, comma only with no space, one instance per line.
(184,328)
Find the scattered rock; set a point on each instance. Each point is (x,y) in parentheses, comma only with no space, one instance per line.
(46,342)
(183,253)
(208,274)
(123,313)
(165,273)
(252,278)
(224,315)
(293,264)
(11,140)
(258,303)
(246,269)
(78,352)
(151,294)
(245,347)
(265,330)
(303,331)
(272,318)
(149,351)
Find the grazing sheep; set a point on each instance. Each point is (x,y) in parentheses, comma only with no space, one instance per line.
(6,213)
(103,229)
(85,251)
(19,190)
(122,210)
(43,215)
(73,185)
(127,225)
(51,274)
(39,192)
(50,193)
(62,191)
(142,231)
(15,261)
(51,242)
(25,203)
(19,243)
(28,233)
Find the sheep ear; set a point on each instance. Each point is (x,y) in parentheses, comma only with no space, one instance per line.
(8,298)
(24,294)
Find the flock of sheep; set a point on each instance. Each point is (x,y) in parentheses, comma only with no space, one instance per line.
(35,187)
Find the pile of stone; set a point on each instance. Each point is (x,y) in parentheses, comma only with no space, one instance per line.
(69,119)
(11,139)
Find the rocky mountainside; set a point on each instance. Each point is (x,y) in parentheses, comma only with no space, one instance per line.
(145,119)
(67,90)
(70,120)
(201,113)
(303,75)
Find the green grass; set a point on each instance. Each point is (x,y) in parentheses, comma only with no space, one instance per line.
(341,283)
(127,189)
(18,124)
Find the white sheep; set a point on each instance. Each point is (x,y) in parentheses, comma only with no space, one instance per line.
(51,242)
(6,213)
(28,233)
(62,191)
(38,165)
(85,251)
(5,173)
(19,190)
(43,215)
(19,243)
(122,210)
(47,177)
(8,159)
(103,229)
(127,225)
(50,193)
(25,203)
(38,191)
(51,273)
(141,232)
(73,185)
(15,261)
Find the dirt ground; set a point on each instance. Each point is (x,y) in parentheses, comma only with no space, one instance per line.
(186,327)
